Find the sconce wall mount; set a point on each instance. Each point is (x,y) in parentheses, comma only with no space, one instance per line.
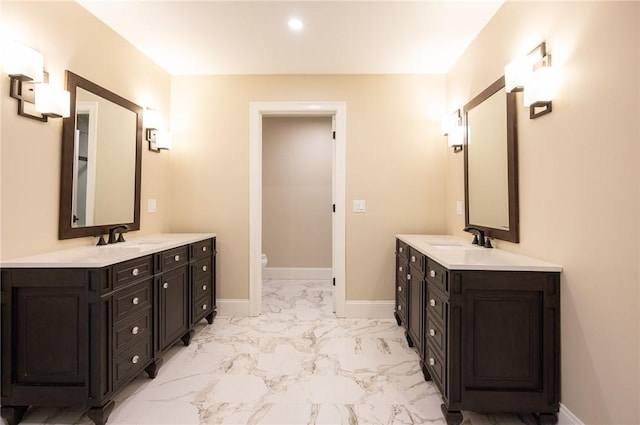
(452,128)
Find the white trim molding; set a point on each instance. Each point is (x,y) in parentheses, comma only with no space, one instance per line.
(566,417)
(338,110)
(369,309)
(297,273)
(233,307)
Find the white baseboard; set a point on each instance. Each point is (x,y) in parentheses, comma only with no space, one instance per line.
(233,307)
(369,309)
(566,417)
(286,273)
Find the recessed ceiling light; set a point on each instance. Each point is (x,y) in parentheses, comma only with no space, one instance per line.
(295,24)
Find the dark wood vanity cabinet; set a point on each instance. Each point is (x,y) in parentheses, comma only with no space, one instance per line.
(73,337)
(491,339)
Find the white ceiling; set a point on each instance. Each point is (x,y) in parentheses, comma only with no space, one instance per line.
(339,37)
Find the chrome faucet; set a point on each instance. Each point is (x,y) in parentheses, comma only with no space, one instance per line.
(479,238)
(112,233)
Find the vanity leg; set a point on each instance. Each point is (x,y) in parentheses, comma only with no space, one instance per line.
(99,415)
(186,339)
(546,418)
(453,417)
(13,414)
(409,341)
(425,372)
(398,321)
(211,316)
(152,369)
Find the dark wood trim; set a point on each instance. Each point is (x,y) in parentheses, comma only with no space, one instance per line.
(513,234)
(65,229)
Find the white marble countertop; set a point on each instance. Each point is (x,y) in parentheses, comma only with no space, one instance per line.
(106,255)
(456,253)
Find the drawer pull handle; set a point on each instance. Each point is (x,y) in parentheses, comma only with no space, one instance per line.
(135,359)
(135,272)
(399,308)
(204,287)
(432,273)
(204,268)
(401,249)
(432,302)
(408,277)
(165,285)
(135,301)
(399,288)
(400,268)
(413,258)
(204,249)
(432,332)
(204,306)
(135,330)
(177,258)
(432,361)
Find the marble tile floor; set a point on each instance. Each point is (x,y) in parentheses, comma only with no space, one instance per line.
(294,364)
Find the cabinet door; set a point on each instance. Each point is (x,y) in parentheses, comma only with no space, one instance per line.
(416,304)
(173,312)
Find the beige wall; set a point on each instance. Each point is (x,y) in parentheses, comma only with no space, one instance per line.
(579,192)
(70,38)
(296,191)
(395,161)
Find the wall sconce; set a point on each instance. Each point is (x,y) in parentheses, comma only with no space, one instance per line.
(534,75)
(451,126)
(158,139)
(37,99)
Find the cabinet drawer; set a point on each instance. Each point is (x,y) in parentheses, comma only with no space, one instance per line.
(131,271)
(417,260)
(131,362)
(401,288)
(202,288)
(402,249)
(401,309)
(435,337)
(202,268)
(437,368)
(132,300)
(437,276)
(435,305)
(203,248)
(131,331)
(173,258)
(201,308)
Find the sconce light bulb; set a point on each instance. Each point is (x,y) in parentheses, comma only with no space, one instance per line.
(541,86)
(22,62)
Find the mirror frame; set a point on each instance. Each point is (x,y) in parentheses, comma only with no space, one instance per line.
(513,234)
(65,229)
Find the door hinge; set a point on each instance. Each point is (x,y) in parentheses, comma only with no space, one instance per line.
(334,281)
(334,208)
(334,135)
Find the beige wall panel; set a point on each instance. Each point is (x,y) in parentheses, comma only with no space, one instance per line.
(395,161)
(70,38)
(579,191)
(296,191)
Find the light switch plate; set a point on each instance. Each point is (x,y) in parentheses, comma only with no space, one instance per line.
(152,206)
(359,206)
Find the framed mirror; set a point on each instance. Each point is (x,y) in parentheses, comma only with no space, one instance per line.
(101,161)
(491,163)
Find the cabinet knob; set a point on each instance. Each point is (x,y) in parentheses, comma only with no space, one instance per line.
(400,249)
(135,359)
(432,302)
(135,301)
(408,277)
(399,308)
(400,268)
(135,272)
(204,306)
(165,285)
(413,258)
(432,332)
(399,288)
(177,258)
(204,287)
(432,361)
(135,330)
(204,249)
(432,273)
(204,268)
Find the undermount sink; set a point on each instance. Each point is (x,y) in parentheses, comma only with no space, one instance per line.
(450,245)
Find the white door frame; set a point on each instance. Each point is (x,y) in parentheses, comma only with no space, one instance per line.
(337,110)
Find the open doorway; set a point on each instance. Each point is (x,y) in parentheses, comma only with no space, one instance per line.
(337,112)
(297,197)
